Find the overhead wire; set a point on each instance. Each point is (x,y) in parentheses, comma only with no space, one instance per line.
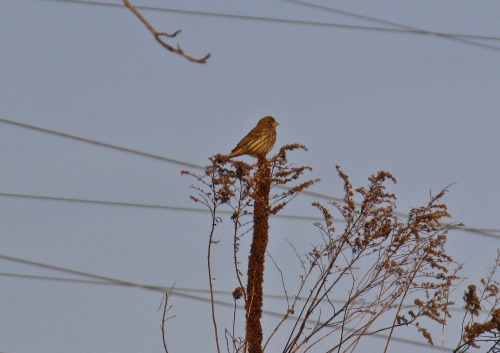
(143,205)
(99,143)
(484,232)
(133,151)
(488,232)
(190,296)
(272,19)
(481,231)
(409,30)
(174,289)
(106,279)
(460,38)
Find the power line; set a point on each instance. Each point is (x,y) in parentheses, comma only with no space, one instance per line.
(133,151)
(457,37)
(289,21)
(189,296)
(488,232)
(173,290)
(98,279)
(142,205)
(99,143)
(103,202)
(485,232)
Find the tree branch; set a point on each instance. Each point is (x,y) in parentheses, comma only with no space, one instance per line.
(158,36)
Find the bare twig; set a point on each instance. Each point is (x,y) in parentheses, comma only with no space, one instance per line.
(159,36)
(282,279)
(288,310)
(165,307)
(210,278)
(212,241)
(242,202)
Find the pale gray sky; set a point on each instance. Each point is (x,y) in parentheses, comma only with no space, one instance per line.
(425,108)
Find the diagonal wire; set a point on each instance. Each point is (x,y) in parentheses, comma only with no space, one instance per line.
(289,21)
(132,151)
(99,143)
(188,296)
(144,205)
(484,232)
(488,232)
(175,289)
(451,36)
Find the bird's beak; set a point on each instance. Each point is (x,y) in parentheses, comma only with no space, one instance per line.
(276,123)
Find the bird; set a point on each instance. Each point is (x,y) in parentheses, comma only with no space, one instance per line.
(259,141)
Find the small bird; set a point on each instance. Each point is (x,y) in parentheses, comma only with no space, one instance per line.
(259,141)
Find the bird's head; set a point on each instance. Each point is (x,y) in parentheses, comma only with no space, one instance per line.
(268,121)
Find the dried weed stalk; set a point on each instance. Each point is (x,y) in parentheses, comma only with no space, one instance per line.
(486,299)
(245,188)
(391,272)
(394,273)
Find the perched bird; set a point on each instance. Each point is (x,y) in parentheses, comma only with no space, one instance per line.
(259,141)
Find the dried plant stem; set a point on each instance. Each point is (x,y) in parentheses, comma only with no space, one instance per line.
(210,278)
(257,256)
(164,319)
(165,308)
(401,302)
(236,239)
(239,185)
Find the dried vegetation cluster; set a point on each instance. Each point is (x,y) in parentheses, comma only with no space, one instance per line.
(390,271)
